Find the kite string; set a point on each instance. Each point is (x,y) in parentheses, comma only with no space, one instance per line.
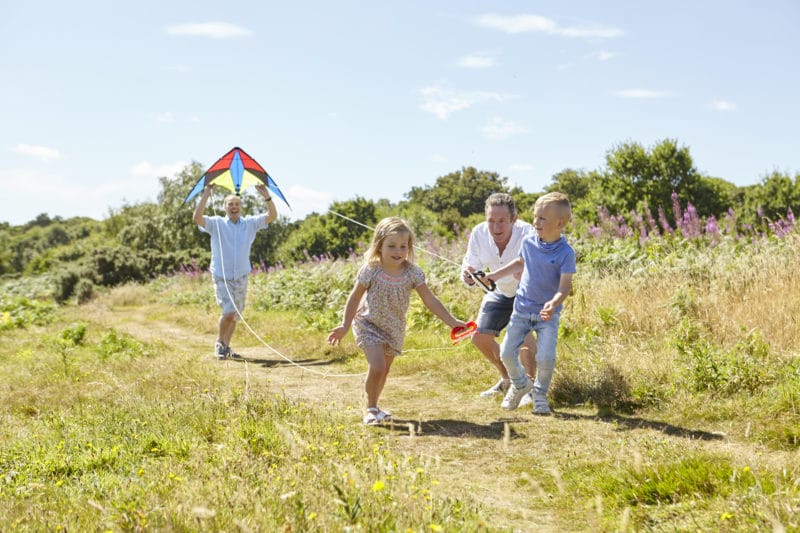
(420,248)
(274,350)
(253,332)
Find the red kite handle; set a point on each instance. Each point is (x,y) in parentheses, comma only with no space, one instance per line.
(459,333)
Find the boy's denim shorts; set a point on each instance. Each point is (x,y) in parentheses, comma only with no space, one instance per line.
(494,314)
(231,294)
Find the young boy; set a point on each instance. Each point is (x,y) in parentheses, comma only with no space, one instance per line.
(547,264)
(492,244)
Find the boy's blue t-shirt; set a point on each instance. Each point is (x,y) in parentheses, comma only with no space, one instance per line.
(544,264)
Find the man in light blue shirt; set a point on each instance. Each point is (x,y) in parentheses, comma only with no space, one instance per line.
(231,239)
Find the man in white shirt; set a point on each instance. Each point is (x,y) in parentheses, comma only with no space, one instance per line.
(493,244)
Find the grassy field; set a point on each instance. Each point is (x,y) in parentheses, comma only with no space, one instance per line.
(676,399)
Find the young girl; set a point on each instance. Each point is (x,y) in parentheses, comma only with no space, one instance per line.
(379,321)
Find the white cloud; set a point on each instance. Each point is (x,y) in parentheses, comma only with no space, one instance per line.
(146,169)
(724,105)
(167,116)
(602,55)
(539,24)
(214,30)
(590,32)
(442,102)
(499,128)
(60,195)
(31,182)
(43,192)
(42,152)
(641,93)
(476,61)
(305,201)
(516,24)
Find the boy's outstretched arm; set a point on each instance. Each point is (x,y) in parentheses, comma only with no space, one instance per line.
(564,288)
(350,309)
(514,267)
(437,307)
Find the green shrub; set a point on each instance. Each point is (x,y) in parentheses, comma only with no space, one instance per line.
(84,290)
(20,312)
(64,284)
(318,291)
(117,265)
(73,335)
(116,344)
(748,366)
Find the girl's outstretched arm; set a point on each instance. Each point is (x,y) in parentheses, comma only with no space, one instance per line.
(437,307)
(350,309)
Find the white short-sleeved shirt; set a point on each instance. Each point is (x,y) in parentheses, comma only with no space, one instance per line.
(482,253)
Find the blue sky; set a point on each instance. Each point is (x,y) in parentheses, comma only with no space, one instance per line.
(356,98)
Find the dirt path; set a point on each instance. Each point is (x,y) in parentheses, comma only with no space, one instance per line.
(458,444)
(457,431)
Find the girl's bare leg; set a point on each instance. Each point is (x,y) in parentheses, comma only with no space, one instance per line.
(379,365)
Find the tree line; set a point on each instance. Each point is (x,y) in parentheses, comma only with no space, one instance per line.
(142,240)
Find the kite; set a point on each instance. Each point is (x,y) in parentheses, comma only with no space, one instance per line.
(235,171)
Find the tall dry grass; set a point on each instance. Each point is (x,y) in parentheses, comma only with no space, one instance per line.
(727,290)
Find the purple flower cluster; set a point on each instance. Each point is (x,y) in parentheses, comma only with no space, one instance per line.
(191,270)
(687,224)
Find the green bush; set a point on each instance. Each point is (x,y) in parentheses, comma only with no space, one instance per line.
(84,290)
(116,344)
(65,282)
(748,366)
(73,335)
(318,291)
(117,265)
(20,312)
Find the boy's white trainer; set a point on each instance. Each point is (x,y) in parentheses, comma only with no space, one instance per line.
(526,400)
(514,395)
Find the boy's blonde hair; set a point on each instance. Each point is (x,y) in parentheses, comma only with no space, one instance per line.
(557,199)
(386,227)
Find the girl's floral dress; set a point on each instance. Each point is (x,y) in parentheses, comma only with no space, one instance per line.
(381,315)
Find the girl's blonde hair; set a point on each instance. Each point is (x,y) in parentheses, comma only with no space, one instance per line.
(386,227)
